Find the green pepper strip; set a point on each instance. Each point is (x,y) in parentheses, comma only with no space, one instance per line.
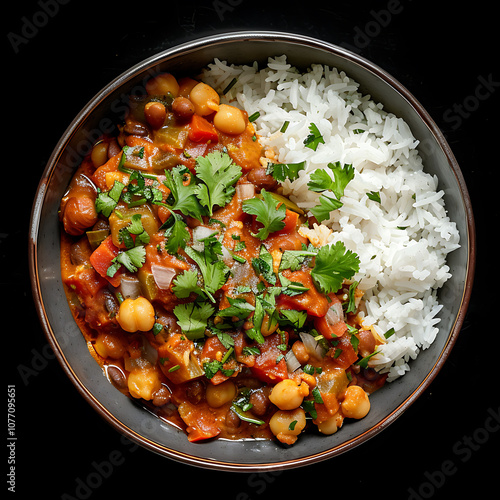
(244,416)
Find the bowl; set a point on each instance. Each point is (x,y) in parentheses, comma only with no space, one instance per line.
(65,338)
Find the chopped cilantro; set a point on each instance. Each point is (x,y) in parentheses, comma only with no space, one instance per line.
(219,174)
(282,171)
(192,318)
(314,139)
(268,213)
(333,264)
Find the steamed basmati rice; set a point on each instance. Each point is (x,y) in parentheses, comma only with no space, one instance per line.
(403,241)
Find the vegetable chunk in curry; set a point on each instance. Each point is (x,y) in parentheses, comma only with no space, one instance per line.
(200,288)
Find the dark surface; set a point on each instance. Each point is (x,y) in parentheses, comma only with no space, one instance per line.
(60,55)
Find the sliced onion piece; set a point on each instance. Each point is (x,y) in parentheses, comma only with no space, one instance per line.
(130,287)
(312,347)
(163,276)
(292,363)
(335,314)
(245,191)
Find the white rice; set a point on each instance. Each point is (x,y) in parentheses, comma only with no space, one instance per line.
(403,241)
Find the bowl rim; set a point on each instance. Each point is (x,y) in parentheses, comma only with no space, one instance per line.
(186,47)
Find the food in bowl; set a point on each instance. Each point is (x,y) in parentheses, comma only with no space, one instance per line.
(256,251)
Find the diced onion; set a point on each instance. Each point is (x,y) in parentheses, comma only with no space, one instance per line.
(245,191)
(312,347)
(335,314)
(130,287)
(163,276)
(292,363)
(199,234)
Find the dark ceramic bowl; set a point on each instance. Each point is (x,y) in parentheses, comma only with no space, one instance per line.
(68,343)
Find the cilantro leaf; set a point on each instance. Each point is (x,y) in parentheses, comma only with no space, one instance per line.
(238,307)
(322,181)
(333,264)
(214,272)
(186,283)
(219,174)
(263,265)
(192,318)
(182,192)
(268,213)
(105,203)
(325,207)
(315,138)
(132,259)
(293,318)
(282,171)
(176,233)
(293,259)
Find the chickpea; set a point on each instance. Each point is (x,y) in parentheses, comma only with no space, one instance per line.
(155,114)
(332,424)
(229,120)
(287,425)
(163,84)
(186,84)
(99,154)
(204,98)
(183,108)
(144,382)
(220,394)
(287,395)
(356,403)
(79,214)
(136,314)
(108,345)
(300,351)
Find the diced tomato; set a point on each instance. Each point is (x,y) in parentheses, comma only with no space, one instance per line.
(315,303)
(290,220)
(200,421)
(328,330)
(201,130)
(343,352)
(270,364)
(101,259)
(211,347)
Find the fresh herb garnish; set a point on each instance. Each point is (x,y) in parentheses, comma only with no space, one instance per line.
(333,264)
(314,139)
(219,174)
(268,211)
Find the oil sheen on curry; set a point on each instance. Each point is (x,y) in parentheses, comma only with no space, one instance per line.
(195,283)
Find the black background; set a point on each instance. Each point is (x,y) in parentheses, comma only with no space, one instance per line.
(60,54)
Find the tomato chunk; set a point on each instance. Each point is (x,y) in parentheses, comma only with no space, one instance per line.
(101,259)
(270,364)
(201,130)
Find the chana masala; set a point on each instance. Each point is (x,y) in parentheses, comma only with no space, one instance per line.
(196,283)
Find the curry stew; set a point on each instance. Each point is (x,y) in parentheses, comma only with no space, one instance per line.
(199,287)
